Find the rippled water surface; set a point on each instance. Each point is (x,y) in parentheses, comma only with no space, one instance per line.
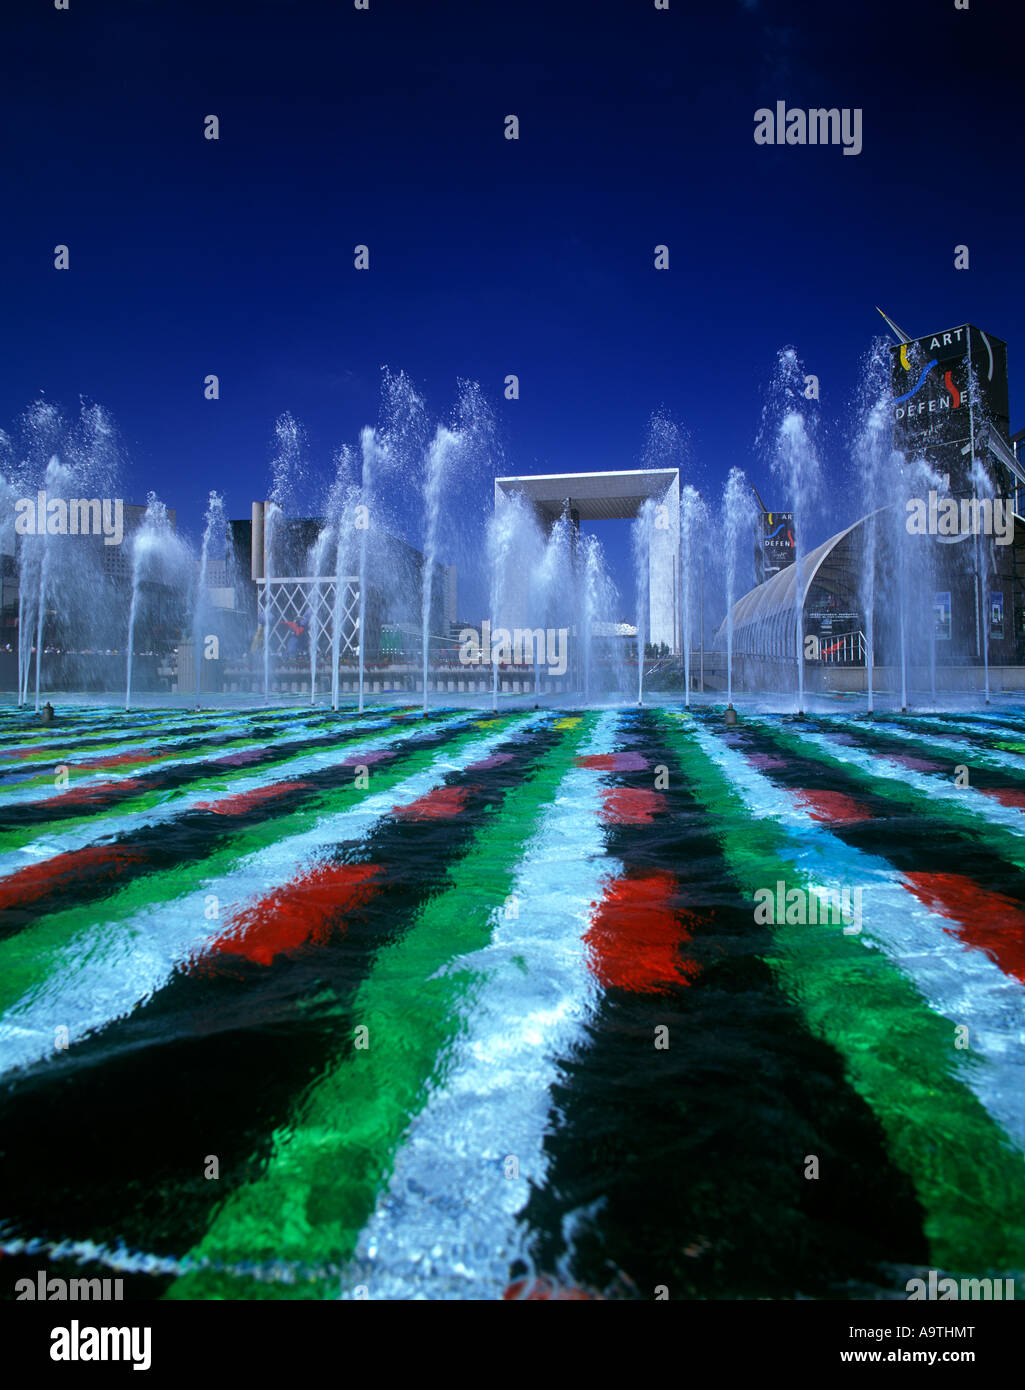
(539,1004)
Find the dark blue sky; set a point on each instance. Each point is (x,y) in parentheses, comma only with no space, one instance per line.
(490,256)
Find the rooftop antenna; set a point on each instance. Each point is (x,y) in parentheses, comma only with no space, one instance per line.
(894,328)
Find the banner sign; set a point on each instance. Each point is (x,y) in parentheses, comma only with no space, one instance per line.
(776,548)
(932,399)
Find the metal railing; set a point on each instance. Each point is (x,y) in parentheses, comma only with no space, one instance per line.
(843,649)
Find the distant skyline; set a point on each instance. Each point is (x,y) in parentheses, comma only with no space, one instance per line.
(489,257)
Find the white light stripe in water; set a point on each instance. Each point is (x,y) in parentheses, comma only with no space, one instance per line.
(447,1225)
(957,980)
(104,974)
(106,828)
(162,762)
(922,741)
(936,786)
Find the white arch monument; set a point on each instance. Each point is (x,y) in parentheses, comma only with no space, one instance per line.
(612,497)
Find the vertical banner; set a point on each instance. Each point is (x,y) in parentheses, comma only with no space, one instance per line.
(933,412)
(776,548)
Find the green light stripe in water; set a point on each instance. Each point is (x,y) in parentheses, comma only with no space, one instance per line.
(999,840)
(220,781)
(31,956)
(328,1165)
(897,1052)
(200,751)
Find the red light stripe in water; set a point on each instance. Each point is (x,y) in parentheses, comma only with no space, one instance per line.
(543,1289)
(239,759)
(613,762)
(296,914)
(245,801)
(439,804)
(100,862)
(1007,796)
(117,760)
(83,796)
(631,806)
(832,807)
(634,937)
(989,921)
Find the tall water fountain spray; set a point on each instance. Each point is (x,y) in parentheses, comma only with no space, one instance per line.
(910,561)
(738,516)
(347,512)
(876,465)
(320,554)
(273,530)
(42,429)
(640,545)
(287,470)
(511,534)
(552,587)
(213,550)
(372,451)
(332,559)
(61,575)
(57,571)
(454,465)
(897,571)
(983,489)
(598,600)
(693,516)
(795,462)
(10,492)
(395,451)
(30,566)
(439,461)
(160,561)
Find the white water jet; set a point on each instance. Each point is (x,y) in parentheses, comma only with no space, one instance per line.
(161,560)
(982,488)
(640,544)
(551,588)
(511,534)
(438,464)
(796,464)
(318,556)
(594,602)
(876,463)
(692,518)
(44,567)
(737,506)
(214,537)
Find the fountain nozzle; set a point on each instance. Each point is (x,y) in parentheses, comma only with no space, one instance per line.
(730,716)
